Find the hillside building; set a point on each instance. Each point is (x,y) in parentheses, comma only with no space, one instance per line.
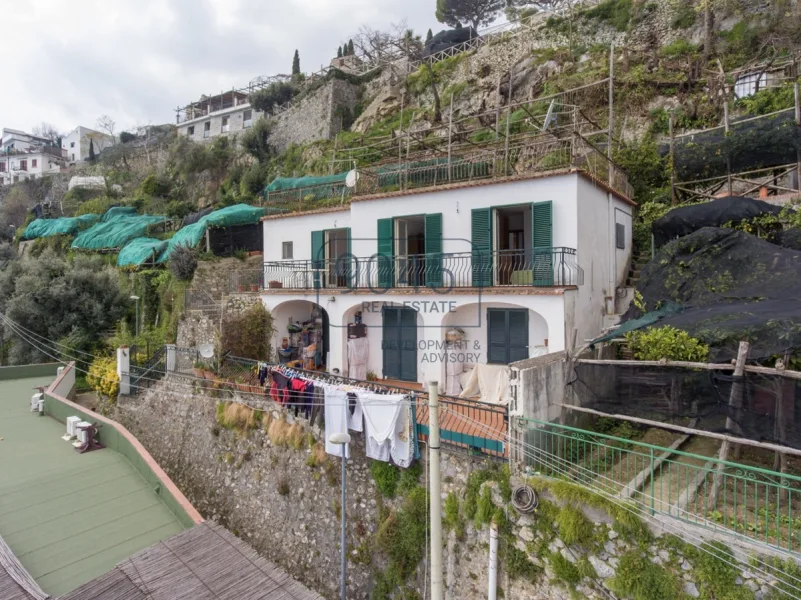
(26,156)
(77,144)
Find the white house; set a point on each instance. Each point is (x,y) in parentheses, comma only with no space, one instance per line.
(26,156)
(516,264)
(211,117)
(77,143)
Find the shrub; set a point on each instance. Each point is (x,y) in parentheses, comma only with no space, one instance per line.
(256,140)
(182,263)
(247,334)
(177,209)
(615,12)
(273,95)
(126,137)
(386,477)
(402,536)
(155,185)
(656,343)
(102,377)
(647,213)
(518,565)
(564,570)
(680,47)
(684,16)
(574,527)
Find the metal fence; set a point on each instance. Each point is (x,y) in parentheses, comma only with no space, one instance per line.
(740,499)
(146,374)
(540,267)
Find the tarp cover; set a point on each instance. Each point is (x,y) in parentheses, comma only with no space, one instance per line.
(190,235)
(686,219)
(139,251)
(118,211)
(62,226)
(732,286)
(280,184)
(115,233)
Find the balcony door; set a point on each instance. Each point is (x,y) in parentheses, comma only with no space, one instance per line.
(409,251)
(330,264)
(507,335)
(399,345)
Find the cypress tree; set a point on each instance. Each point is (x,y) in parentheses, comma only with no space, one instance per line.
(296,64)
(339,52)
(429,35)
(91,149)
(350,48)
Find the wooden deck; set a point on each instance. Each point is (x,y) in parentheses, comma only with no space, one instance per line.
(206,562)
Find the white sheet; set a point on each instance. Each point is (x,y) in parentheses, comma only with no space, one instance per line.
(358,352)
(380,414)
(402,446)
(490,383)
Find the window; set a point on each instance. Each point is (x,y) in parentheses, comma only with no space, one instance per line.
(2,167)
(72,144)
(620,236)
(34,163)
(286,250)
(206,129)
(225,124)
(23,165)
(247,117)
(73,157)
(190,130)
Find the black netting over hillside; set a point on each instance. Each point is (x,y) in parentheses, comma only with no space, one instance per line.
(755,144)
(732,286)
(686,219)
(195,217)
(789,238)
(765,407)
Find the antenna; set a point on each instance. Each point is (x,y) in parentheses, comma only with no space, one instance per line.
(352,178)
(206,350)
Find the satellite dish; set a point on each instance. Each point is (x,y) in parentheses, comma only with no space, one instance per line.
(549,118)
(206,350)
(352,178)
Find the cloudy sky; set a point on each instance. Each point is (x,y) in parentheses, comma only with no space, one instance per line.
(69,61)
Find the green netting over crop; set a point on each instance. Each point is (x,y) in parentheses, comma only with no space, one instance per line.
(191,235)
(281,184)
(118,211)
(139,251)
(115,233)
(62,226)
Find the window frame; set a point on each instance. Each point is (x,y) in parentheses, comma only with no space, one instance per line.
(225,124)
(287,246)
(620,236)
(247,122)
(34,163)
(207,129)
(190,130)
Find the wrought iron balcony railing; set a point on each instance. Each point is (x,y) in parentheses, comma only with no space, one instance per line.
(540,267)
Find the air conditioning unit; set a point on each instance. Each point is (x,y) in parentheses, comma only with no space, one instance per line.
(81,433)
(35,399)
(72,428)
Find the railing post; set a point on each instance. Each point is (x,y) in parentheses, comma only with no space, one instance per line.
(653,500)
(124,369)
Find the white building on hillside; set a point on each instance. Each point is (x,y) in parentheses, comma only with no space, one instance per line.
(516,264)
(211,117)
(26,156)
(77,143)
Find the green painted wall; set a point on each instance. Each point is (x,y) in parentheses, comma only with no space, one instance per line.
(114,440)
(28,371)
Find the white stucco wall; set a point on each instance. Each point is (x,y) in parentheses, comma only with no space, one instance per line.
(467,311)
(298,230)
(80,137)
(236,123)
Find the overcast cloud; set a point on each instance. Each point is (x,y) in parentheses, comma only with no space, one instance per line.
(69,61)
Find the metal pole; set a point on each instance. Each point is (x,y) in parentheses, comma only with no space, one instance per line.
(343,541)
(728,156)
(798,124)
(508,126)
(436,508)
(672,162)
(609,152)
(493,563)
(136,329)
(450,138)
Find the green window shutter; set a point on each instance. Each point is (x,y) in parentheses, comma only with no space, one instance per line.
(386,251)
(433,235)
(351,273)
(481,225)
(317,254)
(542,243)
(497,344)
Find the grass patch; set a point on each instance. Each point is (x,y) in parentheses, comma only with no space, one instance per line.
(386,477)
(282,434)
(519,566)
(318,457)
(574,527)
(615,12)
(715,573)
(477,478)
(640,579)
(564,570)
(233,415)
(452,519)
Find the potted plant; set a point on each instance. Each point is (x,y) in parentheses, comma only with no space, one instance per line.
(241,288)
(254,287)
(276,285)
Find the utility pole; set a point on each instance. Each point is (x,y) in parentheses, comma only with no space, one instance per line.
(609,152)
(437,588)
(672,160)
(798,124)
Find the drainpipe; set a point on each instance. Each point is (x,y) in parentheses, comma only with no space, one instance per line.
(493,562)
(436,501)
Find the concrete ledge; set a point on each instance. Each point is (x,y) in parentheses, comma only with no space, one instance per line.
(116,437)
(28,371)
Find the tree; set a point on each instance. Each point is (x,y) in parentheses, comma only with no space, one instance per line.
(107,125)
(475,12)
(413,45)
(429,35)
(126,136)
(14,209)
(91,150)
(256,141)
(49,131)
(350,48)
(296,64)
(275,94)
(339,52)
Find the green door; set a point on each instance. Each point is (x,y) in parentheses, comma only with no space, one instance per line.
(399,345)
(542,243)
(507,335)
(385,253)
(433,238)
(481,231)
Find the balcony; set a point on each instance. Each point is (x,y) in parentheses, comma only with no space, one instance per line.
(537,268)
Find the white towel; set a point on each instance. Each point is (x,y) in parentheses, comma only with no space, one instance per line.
(358,353)
(491,382)
(380,414)
(402,446)
(336,419)
(356,420)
